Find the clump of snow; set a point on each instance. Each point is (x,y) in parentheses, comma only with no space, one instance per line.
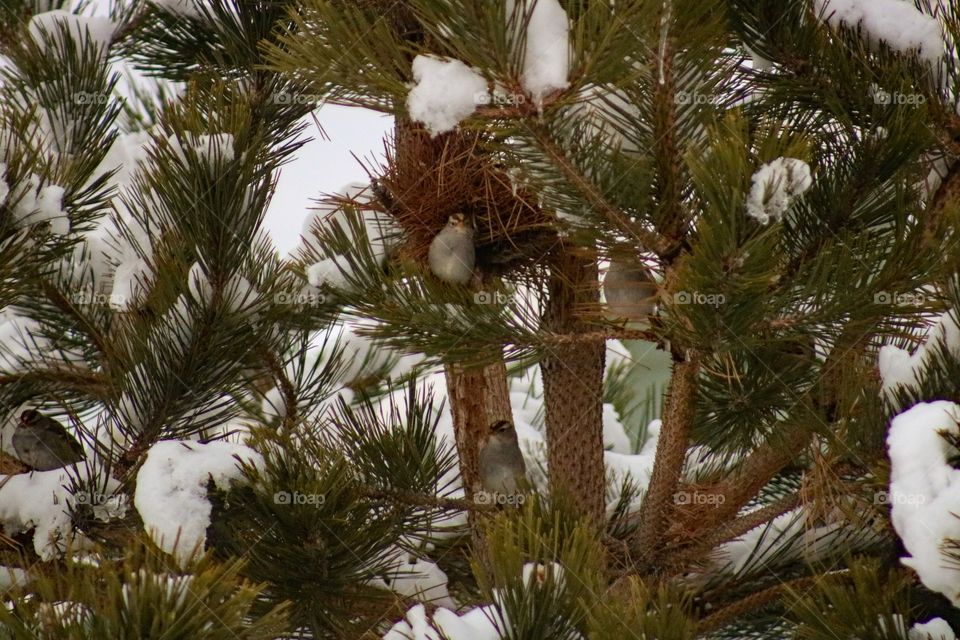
(327,272)
(898,367)
(37,205)
(171,494)
(97,29)
(934,629)
(925,491)
(38,501)
(419,579)
(446,92)
(775,185)
(546,58)
(473,625)
(897,23)
(126,154)
(129,283)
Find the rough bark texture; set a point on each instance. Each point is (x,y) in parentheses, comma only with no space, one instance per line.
(658,503)
(478,397)
(573,392)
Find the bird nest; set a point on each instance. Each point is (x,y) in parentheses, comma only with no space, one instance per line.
(427,179)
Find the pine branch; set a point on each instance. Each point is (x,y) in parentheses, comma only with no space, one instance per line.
(733,530)
(667,155)
(678,414)
(67,307)
(753,603)
(646,239)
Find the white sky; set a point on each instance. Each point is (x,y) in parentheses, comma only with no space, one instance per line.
(324,166)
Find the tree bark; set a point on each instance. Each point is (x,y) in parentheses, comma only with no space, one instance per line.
(479,396)
(573,392)
(658,502)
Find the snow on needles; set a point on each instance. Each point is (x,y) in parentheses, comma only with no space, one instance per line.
(81,28)
(898,367)
(39,501)
(546,60)
(925,491)
(171,494)
(446,92)
(897,23)
(775,185)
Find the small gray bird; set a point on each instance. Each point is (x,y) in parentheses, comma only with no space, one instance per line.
(452,252)
(630,291)
(501,463)
(43,443)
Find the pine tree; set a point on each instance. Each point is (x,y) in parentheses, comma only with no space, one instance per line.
(774,181)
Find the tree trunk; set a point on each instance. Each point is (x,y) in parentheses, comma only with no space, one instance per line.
(573,392)
(479,396)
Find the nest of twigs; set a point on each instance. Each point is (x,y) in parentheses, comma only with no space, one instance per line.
(425,180)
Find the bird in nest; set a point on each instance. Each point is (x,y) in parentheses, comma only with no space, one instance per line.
(452,255)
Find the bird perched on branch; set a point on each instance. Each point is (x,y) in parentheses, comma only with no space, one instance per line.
(630,291)
(501,464)
(452,253)
(43,443)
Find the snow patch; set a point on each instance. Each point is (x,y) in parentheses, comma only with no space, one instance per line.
(925,491)
(898,367)
(446,92)
(934,629)
(775,185)
(171,494)
(546,59)
(473,625)
(96,29)
(38,501)
(896,23)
